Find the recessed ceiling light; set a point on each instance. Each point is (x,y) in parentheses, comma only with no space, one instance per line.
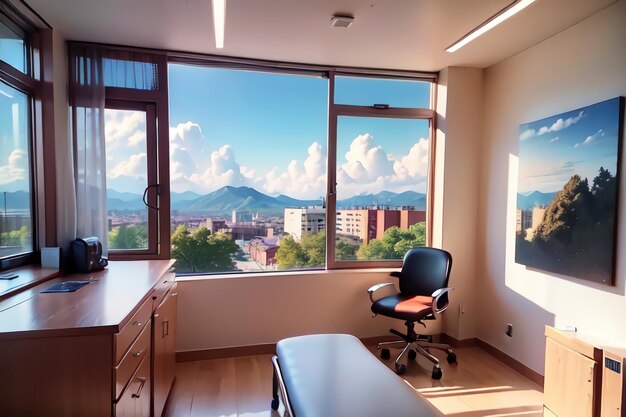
(493,21)
(219,22)
(342,22)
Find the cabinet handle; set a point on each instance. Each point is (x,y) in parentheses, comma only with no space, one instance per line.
(138,354)
(138,323)
(156,315)
(174,294)
(143,382)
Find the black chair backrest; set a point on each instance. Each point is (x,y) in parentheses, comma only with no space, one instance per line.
(424,270)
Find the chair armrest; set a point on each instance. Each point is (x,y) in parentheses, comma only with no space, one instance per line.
(377,287)
(396,274)
(436,296)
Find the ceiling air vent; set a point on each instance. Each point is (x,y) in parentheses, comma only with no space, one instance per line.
(342,22)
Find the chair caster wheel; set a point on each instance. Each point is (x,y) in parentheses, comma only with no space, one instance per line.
(412,355)
(275,404)
(451,357)
(400,369)
(384,354)
(437,374)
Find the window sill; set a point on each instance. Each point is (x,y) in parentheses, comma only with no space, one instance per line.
(260,275)
(28,276)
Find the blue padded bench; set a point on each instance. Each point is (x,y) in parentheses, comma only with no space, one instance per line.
(334,375)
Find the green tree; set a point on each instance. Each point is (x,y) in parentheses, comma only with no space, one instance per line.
(201,251)
(19,237)
(394,243)
(314,247)
(345,251)
(128,237)
(570,208)
(290,254)
(310,252)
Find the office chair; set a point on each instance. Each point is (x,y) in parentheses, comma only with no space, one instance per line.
(423,282)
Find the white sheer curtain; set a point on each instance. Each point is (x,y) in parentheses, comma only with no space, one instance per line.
(87,99)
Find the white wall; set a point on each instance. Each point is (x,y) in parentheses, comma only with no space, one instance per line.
(258,309)
(459,125)
(578,67)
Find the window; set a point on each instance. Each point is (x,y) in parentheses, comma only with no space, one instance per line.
(130,170)
(23,225)
(383,130)
(382,182)
(247,169)
(16,231)
(136,154)
(13,45)
(250,153)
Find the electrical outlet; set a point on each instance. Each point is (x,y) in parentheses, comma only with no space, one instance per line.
(509,330)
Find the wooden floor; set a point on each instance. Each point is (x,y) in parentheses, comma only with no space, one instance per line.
(478,386)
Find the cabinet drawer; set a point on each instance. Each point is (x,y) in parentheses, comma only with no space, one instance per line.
(129,332)
(137,352)
(161,288)
(136,399)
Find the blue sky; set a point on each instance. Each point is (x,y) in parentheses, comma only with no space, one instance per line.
(269,131)
(14,161)
(262,130)
(580,141)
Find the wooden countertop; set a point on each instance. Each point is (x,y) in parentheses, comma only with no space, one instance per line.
(103,306)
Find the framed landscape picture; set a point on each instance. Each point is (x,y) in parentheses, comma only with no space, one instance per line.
(567,192)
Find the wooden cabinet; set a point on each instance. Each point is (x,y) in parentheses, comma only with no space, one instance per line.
(164,349)
(613,403)
(89,353)
(572,383)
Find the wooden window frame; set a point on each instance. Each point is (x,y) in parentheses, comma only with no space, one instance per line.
(37,84)
(157,100)
(151,178)
(339,110)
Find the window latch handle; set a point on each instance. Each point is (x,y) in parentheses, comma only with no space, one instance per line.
(145,195)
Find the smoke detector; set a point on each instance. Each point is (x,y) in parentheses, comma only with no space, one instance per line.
(342,22)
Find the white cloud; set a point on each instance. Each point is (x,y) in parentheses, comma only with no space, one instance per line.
(124,128)
(591,139)
(554,139)
(369,169)
(527,134)
(561,124)
(16,169)
(415,164)
(135,167)
(366,162)
(300,180)
(365,167)
(221,169)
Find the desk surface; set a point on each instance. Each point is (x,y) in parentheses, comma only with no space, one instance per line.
(103,306)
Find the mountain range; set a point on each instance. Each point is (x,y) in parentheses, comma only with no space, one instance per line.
(535,198)
(226,199)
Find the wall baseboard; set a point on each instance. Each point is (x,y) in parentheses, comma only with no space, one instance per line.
(270,349)
(519,367)
(262,349)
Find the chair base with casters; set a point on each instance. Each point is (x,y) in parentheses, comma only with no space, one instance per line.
(414,344)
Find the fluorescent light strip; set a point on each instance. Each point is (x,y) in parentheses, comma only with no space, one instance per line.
(493,21)
(219,22)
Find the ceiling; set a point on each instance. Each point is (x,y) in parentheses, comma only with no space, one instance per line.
(390,34)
